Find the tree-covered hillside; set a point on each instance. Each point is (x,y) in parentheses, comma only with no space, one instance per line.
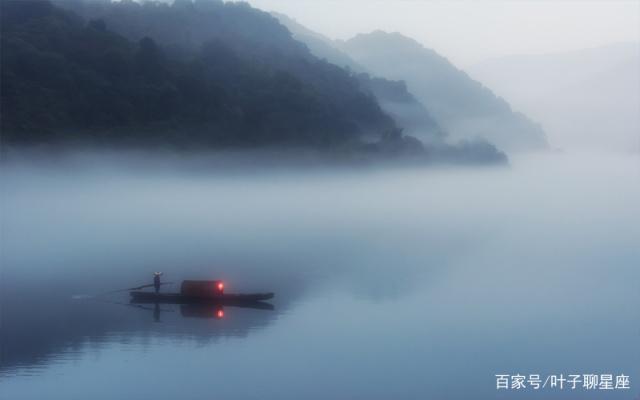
(194,74)
(203,73)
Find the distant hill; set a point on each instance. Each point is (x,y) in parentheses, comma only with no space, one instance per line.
(189,74)
(393,96)
(584,98)
(461,105)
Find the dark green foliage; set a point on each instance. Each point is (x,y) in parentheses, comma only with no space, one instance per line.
(189,74)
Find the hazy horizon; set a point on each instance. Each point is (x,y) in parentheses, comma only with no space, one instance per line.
(480,30)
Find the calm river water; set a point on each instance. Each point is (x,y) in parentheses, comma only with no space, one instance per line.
(390,284)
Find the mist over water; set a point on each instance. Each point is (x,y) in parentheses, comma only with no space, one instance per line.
(390,283)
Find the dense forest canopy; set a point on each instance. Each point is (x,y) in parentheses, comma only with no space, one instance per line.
(67,77)
(195,74)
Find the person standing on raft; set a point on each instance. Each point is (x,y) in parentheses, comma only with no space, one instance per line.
(156,281)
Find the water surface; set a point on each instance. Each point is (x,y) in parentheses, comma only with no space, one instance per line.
(390,283)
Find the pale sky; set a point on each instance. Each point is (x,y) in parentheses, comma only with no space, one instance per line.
(474,30)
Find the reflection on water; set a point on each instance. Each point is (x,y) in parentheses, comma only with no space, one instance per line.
(389,284)
(198,310)
(33,332)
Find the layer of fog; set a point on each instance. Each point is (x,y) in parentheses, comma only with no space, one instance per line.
(95,222)
(171,212)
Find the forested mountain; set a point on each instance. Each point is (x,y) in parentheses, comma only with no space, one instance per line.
(194,74)
(462,106)
(262,38)
(203,73)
